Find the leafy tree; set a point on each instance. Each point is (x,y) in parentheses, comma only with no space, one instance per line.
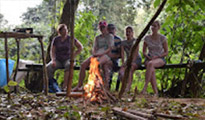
(183,23)
(3,22)
(120,12)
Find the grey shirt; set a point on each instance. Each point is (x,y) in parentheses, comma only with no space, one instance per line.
(155,46)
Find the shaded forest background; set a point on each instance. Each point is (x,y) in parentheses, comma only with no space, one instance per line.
(182,22)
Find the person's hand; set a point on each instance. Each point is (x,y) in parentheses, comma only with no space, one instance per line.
(148,57)
(154,57)
(97,55)
(53,63)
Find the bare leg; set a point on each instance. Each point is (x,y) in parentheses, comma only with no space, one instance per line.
(130,78)
(122,72)
(83,67)
(65,82)
(150,72)
(107,69)
(106,63)
(154,83)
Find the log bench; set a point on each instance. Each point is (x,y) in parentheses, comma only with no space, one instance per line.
(38,67)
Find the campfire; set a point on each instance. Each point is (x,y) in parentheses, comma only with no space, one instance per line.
(94,89)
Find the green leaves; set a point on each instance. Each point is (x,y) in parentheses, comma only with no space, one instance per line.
(10,84)
(156,3)
(6,88)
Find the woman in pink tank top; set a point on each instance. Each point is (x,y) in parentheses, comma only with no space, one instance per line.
(157,49)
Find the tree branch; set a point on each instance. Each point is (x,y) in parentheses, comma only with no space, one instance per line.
(128,64)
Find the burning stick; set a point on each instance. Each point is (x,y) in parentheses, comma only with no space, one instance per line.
(94,89)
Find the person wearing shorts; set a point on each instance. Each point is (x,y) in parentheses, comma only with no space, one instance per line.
(60,56)
(157,46)
(136,61)
(102,46)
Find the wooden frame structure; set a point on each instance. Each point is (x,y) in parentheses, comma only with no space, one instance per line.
(17,36)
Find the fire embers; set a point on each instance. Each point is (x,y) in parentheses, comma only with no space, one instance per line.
(94,89)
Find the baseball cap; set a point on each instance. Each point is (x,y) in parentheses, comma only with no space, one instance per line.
(102,23)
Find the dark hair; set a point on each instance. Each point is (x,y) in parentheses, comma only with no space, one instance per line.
(129,27)
(111,26)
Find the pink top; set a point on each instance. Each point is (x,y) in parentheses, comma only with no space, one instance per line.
(155,47)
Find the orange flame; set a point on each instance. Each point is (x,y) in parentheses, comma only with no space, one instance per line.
(94,79)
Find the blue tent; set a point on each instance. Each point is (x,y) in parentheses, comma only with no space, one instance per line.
(3,79)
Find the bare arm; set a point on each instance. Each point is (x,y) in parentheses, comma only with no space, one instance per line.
(94,47)
(136,53)
(145,50)
(165,46)
(122,54)
(103,53)
(52,53)
(79,48)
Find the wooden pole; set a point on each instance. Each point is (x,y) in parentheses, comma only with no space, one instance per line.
(141,114)
(128,64)
(17,64)
(72,19)
(7,62)
(169,116)
(45,76)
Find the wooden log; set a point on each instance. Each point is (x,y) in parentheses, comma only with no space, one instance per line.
(127,115)
(72,94)
(138,113)
(129,61)
(2,117)
(168,116)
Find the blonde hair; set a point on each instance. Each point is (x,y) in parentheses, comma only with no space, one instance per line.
(157,22)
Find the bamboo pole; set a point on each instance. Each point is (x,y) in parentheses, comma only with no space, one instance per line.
(45,76)
(128,64)
(72,19)
(7,62)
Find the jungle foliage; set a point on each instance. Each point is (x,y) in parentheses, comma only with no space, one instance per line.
(182,22)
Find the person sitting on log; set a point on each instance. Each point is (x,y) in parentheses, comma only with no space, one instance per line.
(60,56)
(157,50)
(136,61)
(102,46)
(116,53)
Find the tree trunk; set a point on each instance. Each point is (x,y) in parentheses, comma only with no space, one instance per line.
(72,21)
(128,64)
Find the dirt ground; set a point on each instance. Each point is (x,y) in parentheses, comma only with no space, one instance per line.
(38,106)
